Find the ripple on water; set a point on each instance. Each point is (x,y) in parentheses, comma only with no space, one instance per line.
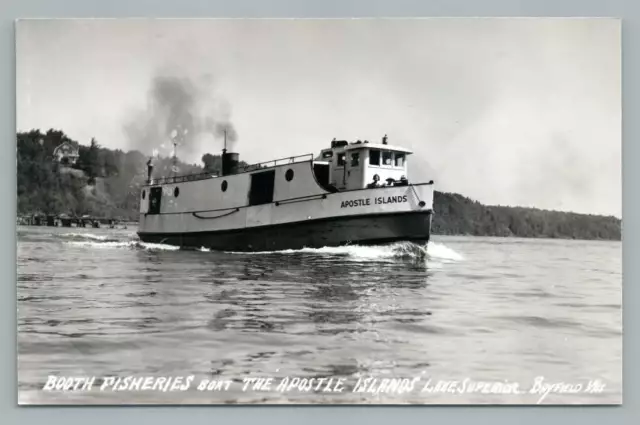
(124,307)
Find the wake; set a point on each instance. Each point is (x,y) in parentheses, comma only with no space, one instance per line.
(398,250)
(434,251)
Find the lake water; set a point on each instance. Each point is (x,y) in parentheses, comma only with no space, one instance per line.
(479,311)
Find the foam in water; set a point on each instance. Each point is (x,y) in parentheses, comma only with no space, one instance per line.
(443,252)
(408,250)
(433,250)
(90,236)
(125,244)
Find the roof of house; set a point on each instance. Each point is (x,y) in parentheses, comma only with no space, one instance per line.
(67,144)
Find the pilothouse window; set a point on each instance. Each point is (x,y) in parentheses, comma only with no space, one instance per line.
(374,157)
(341,160)
(399,159)
(386,157)
(355,159)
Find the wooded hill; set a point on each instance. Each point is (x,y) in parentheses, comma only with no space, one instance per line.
(106,183)
(102,183)
(458,215)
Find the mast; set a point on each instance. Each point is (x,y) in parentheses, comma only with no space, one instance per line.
(174,167)
(180,134)
(224,150)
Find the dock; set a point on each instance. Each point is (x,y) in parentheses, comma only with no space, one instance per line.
(64,220)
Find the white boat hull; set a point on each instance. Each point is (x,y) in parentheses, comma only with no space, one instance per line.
(366,216)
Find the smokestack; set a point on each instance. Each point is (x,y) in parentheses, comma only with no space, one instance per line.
(229,163)
(149,169)
(229,159)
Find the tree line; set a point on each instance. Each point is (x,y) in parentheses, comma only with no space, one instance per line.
(105,182)
(458,215)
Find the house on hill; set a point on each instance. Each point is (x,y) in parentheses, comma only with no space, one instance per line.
(66,153)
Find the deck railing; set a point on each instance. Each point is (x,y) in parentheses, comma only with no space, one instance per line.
(240,170)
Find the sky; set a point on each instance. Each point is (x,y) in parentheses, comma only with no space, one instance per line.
(506,111)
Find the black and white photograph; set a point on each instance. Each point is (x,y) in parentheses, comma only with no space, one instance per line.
(354,211)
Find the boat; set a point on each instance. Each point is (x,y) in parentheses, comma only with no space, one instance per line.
(352,193)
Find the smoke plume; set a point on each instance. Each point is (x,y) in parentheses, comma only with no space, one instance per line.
(180,110)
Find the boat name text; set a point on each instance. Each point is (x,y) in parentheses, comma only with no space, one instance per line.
(373,201)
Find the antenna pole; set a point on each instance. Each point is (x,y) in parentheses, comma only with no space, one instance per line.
(175,157)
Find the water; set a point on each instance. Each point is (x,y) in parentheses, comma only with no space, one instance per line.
(97,302)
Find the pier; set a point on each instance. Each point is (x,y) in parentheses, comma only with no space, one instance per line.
(64,220)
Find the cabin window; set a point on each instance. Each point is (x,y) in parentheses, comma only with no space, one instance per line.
(289,175)
(386,158)
(374,157)
(176,192)
(144,194)
(327,154)
(355,159)
(341,159)
(224,185)
(399,159)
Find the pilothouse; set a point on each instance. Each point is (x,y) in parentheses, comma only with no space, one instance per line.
(351,193)
(349,166)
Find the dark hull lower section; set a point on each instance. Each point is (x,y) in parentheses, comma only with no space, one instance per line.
(356,230)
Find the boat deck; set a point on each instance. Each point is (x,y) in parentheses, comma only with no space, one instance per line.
(241,170)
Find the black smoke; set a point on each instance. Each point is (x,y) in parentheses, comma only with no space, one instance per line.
(181,110)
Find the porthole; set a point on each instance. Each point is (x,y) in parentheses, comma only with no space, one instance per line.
(176,192)
(289,175)
(224,186)
(144,194)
